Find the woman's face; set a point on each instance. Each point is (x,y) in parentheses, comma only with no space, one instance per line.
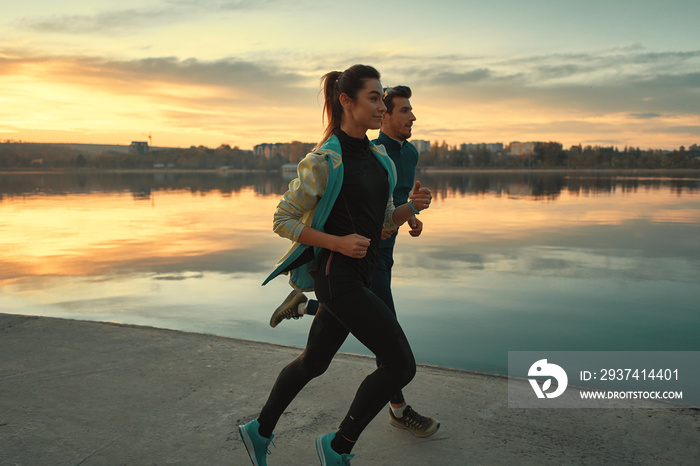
(367,109)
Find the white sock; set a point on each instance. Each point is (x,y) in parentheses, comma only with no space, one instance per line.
(301,309)
(398,412)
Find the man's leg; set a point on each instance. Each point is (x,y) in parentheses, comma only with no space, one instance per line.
(381,286)
(400,414)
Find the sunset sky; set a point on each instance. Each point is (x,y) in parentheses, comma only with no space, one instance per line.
(243,72)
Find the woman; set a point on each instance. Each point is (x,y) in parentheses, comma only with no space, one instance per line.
(334,212)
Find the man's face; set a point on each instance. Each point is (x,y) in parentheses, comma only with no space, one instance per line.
(399,122)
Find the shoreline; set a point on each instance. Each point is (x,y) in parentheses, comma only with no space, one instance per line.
(625,171)
(426,170)
(90,171)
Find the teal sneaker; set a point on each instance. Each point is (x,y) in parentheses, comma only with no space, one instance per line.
(327,455)
(256,444)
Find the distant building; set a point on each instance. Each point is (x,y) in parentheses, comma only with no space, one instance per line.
(494,148)
(522,149)
(267,150)
(139,147)
(421,145)
(694,151)
(289,168)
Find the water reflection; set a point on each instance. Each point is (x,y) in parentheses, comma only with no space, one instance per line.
(140,185)
(538,185)
(507,261)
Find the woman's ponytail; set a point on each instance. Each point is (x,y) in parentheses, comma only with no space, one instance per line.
(332,110)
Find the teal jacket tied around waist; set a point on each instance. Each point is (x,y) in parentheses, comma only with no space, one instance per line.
(309,201)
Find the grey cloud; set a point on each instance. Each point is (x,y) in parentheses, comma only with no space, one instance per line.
(472,76)
(560,71)
(695,130)
(225,5)
(686,80)
(590,67)
(664,56)
(110,22)
(645,116)
(228,71)
(121,21)
(643,85)
(611,58)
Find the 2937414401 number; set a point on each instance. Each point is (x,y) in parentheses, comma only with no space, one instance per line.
(639,374)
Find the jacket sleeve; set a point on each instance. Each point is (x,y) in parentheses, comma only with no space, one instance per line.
(390,207)
(296,208)
(389,215)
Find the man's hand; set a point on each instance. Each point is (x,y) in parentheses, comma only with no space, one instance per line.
(386,234)
(421,197)
(416,227)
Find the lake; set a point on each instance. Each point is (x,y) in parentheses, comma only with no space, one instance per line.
(507,261)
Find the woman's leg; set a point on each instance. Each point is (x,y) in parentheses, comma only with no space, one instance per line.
(326,335)
(376,327)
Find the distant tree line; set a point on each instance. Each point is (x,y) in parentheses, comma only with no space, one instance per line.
(545,155)
(28,156)
(553,155)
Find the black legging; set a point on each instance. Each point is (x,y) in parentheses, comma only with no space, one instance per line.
(363,314)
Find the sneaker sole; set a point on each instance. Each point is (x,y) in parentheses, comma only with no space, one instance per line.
(248,442)
(401,426)
(319,450)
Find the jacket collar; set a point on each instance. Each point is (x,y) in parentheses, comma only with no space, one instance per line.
(390,142)
(333,149)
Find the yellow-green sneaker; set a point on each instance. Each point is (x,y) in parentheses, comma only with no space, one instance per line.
(420,426)
(289,309)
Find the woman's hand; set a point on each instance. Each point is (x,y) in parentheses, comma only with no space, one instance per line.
(353,245)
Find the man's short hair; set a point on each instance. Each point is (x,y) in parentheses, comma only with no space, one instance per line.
(396,91)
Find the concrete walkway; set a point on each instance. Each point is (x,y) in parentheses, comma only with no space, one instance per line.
(87,393)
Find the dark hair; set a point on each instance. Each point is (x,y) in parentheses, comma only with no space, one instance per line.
(335,83)
(396,91)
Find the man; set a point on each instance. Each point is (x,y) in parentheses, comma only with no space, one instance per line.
(395,130)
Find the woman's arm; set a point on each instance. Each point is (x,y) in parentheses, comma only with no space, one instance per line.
(302,197)
(352,245)
(297,204)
